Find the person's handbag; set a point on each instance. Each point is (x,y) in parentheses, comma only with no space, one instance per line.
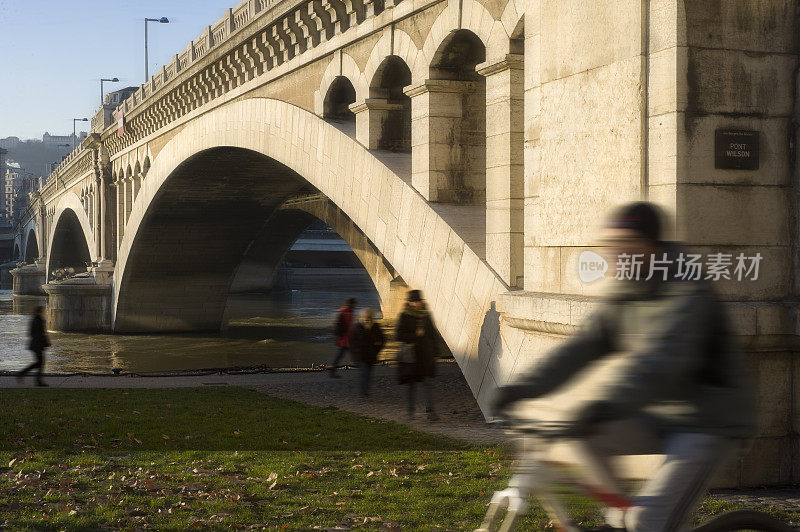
(405,366)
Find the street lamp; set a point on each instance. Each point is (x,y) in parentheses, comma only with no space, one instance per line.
(113,80)
(73,128)
(162,20)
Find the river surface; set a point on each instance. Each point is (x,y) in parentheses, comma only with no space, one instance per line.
(288,329)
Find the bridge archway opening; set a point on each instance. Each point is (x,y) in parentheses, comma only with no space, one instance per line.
(218,226)
(294,277)
(17,252)
(336,105)
(461,174)
(184,250)
(395,116)
(69,249)
(31,247)
(310,244)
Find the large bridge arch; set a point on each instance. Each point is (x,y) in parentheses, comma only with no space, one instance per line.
(70,240)
(425,251)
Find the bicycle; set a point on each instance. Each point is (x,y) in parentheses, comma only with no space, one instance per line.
(534,475)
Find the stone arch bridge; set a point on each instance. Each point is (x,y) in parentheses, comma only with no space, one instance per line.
(469,148)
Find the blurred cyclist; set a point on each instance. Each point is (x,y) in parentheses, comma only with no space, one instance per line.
(681,391)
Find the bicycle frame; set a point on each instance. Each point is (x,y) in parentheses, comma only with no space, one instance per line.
(534,476)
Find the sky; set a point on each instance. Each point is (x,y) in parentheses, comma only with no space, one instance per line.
(54,52)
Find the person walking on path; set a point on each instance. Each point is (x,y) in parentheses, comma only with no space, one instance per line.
(366,342)
(343,331)
(39,342)
(416,331)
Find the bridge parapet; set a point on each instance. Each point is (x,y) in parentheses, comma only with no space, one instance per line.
(212,38)
(227,55)
(76,165)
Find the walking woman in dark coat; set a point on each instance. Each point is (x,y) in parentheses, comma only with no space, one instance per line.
(416,331)
(366,341)
(39,342)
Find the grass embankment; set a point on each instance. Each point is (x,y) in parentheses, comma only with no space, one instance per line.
(231,458)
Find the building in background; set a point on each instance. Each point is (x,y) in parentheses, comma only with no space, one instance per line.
(55,140)
(9,142)
(17,186)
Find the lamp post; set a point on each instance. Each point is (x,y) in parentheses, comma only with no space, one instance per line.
(162,20)
(113,80)
(73,129)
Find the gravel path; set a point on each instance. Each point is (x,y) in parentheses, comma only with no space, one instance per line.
(459,415)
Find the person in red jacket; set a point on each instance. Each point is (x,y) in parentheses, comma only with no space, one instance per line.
(343,332)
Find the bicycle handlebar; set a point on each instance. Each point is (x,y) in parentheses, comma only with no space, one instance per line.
(545,429)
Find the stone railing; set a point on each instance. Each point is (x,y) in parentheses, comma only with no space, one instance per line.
(74,166)
(234,20)
(286,29)
(28,214)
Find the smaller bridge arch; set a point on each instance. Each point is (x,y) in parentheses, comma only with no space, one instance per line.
(340,65)
(388,107)
(472,16)
(399,44)
(336,105)
(31,247)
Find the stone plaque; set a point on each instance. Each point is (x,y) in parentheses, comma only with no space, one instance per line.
(736,150)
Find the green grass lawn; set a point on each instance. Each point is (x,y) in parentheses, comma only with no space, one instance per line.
(223,458)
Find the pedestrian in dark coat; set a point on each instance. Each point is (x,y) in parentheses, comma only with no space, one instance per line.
(416,331)
(39,342)
(366,342)
(342,332)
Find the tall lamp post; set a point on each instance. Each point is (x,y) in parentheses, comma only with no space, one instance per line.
(162,20)
(113,80)
(73,129)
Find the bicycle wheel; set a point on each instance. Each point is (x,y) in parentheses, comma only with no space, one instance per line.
(744,520)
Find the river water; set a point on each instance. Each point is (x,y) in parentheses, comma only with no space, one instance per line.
(287,329)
